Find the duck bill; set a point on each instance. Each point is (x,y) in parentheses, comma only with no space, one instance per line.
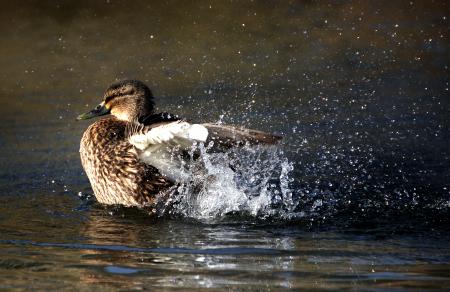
(99,110)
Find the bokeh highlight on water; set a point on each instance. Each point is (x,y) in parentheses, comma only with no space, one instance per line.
(359,90)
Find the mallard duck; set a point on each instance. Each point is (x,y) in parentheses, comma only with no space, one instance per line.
(128,155)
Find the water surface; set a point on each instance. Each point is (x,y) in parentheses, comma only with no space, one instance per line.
(359,189)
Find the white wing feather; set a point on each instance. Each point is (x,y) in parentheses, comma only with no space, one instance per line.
(161,145)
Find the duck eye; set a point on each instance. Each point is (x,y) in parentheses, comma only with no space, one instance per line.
(98,107)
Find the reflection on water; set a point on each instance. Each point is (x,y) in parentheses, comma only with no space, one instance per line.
(129,253)
(130,250)
(358,89)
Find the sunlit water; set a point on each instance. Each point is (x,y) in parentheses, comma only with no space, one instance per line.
(355,196)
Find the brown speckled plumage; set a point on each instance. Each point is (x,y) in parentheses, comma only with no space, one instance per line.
(113,167)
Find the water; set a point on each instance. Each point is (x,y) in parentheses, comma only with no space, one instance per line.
(356,196)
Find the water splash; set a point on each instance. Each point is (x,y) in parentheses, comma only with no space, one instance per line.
(251,181)
(263,183)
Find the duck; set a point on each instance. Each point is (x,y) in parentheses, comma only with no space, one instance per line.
(128,153)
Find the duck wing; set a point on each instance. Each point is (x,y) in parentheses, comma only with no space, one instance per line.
(164,145)
(165,142)
(158,118)
(227,136)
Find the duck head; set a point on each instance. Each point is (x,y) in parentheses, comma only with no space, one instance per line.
(127,100)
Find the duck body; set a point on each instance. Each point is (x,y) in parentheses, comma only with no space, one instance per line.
(115,171)
(135,157)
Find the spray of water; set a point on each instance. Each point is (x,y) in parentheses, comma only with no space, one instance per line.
(251,181)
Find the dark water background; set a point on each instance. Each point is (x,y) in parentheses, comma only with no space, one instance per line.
(359,89)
